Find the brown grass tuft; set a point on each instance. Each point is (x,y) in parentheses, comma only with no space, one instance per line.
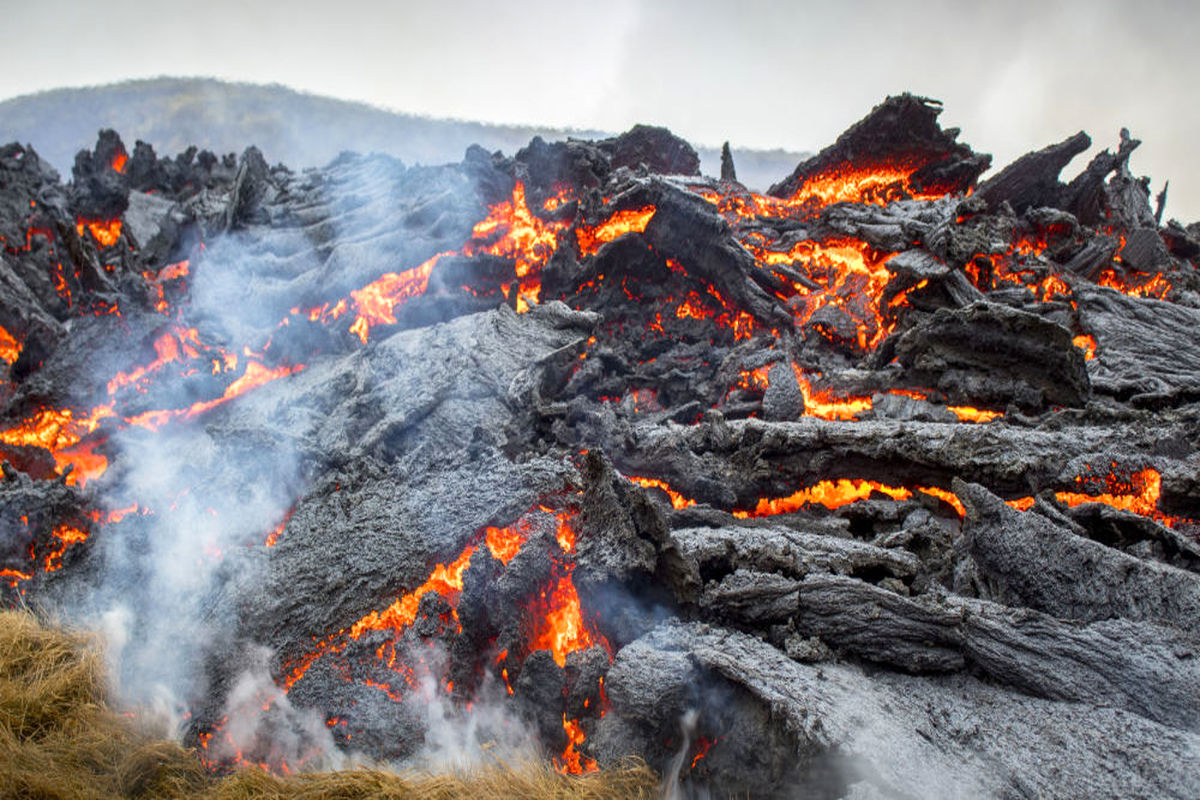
(59,739)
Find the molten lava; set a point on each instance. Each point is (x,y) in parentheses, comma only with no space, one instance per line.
(64,536)
(105,231)
(824,405)
(10,348)
(678,501)
(969,414)
(571,761)
(376,302)
(590,238)
(850,274)
(512,231)
(831,494)
(853,183)
(558,621)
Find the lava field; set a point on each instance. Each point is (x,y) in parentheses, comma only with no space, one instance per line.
(882,483)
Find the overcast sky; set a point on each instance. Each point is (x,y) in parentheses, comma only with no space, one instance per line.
(1014,75)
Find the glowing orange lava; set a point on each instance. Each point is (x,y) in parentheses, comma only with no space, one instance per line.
(849,183)
(946,496)
(831,494)
(375,303)
(1138,493)
(105,231)
(969,414)
(10,348)
(54,429)
(572,762)
(824,405)
(65,536)
(678,501)
(512,231)
(446,580)
(559,626)
(1156,287)
(590,238)
(504,543)
(1086,343)
(850,273)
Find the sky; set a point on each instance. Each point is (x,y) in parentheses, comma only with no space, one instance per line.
(1013,75)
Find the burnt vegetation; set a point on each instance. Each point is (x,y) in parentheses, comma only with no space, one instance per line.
(881,483)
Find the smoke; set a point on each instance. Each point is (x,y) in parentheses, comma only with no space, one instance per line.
(462,736)
(205,493)
(672,790)
(261,720)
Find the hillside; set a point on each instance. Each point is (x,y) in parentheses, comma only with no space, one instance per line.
(300,130)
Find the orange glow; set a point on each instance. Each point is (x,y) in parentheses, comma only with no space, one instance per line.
(504,543)
(564,533)
(66,535)
(678,501)
(831,494)
(572,762)
(968,414)
(754,379)
(558,621)
(701,749)
(15,576)
(171,272)
(514,232)
(913,393)
(10,348)
(1139,493)
(947,496)
(446,580)
(877,185)
(852,277)
(375,303)
(105,231)
(824,405)
(273,536)
(1156,287)
(54,429)
(60,432)
(692,308)
(119,160)
(1087,344)
(166,349)
(847,183)
(87,463)
(590,238)
(116,515)
(255,375)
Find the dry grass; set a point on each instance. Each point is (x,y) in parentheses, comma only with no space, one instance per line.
(59,739)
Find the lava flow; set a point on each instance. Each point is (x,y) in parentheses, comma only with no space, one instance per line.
(555,620)
(824,358)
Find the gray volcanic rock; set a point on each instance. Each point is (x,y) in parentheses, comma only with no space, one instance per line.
(888,734)
(1025,559)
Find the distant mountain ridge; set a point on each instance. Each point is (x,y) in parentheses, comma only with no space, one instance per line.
(297,129)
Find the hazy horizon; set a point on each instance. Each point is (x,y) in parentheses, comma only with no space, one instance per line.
(1014,76)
